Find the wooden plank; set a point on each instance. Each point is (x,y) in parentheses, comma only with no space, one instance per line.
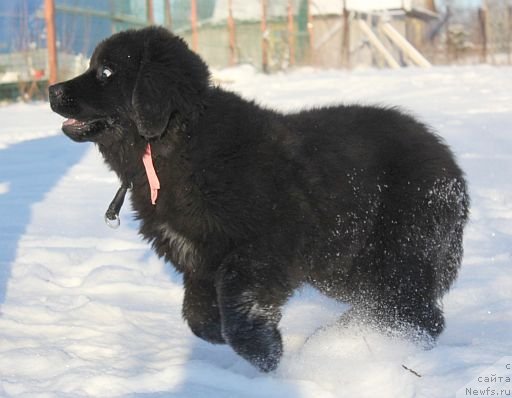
(334,29)
(402,43)
(376,43)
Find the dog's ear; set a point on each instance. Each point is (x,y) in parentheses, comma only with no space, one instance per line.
(150,100)
(170,84)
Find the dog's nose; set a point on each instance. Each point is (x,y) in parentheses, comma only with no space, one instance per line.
(56,91)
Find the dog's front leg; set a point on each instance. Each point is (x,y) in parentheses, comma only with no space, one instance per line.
(252,286)
(201,310)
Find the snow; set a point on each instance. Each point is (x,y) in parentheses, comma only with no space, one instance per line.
(22,122)
(87,311)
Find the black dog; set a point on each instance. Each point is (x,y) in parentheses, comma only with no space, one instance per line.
(364,203)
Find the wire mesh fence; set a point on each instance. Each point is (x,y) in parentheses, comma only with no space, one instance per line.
(269,34)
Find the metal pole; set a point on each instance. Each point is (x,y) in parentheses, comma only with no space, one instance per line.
(193,21)
(49,14)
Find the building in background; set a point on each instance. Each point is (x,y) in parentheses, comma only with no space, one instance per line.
(269,34)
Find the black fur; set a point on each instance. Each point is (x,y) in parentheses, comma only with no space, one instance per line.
(364,203)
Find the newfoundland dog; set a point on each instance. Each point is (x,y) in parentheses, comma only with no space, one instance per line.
(364,203)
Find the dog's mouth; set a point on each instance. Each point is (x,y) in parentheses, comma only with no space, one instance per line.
(81,131)
(74,124)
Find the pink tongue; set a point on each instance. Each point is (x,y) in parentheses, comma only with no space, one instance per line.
(69,122)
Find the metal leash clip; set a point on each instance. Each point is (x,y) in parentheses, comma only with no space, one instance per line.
(112,214)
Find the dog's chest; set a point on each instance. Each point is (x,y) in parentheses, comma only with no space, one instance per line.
(180,250)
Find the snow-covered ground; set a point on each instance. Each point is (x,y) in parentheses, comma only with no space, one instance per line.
(90,311)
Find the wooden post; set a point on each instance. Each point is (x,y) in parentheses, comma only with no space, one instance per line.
(167,14)
(232,34)
(488,34)
(49,13)
(150,14)
(310,32)
(509,34)
(345,45)
(193,21)
(482,16)
(447,44)
(291,33)
(264,37)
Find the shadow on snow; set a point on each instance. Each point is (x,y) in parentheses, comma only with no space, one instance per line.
(29,169)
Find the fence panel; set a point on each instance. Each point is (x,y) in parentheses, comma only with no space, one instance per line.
(269,34)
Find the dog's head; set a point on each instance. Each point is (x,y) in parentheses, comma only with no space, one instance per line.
(145,78)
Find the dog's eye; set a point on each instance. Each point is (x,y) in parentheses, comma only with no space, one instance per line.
(105,73)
